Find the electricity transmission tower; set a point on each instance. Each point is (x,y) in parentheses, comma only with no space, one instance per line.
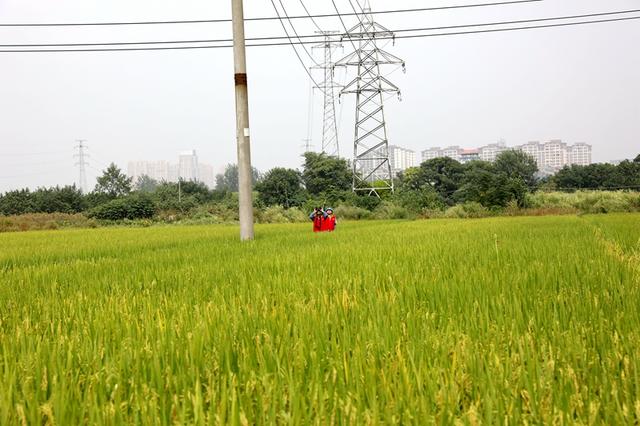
(330,144)
(371,166)
(82,163)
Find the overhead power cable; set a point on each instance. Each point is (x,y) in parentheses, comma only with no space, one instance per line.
(320,36)
(269,18)
(309,15)
(410,36)
(295,32)
(284,27)
(346,30)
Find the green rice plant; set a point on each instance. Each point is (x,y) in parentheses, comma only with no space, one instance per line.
(501,320)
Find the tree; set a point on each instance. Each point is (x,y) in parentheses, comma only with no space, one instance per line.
(444,175)
(113,183)
(228,181)
(517,165)
(67,199)
(146,184)
(17,202)
(593,176)
(136,206)
(483,183)
(282,187)
(325,174)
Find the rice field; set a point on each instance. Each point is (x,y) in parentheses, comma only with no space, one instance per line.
(491,321)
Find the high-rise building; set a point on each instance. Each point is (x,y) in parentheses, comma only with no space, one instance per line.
(452,152)
(556,154)
(207,175)
(431,153)
(188,168)
(490,152)
(580,154)
(401,159)
(467,155)
(550,156)
(188,165)
(535,150)
(157,170)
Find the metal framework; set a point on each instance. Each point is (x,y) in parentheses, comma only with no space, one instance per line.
(82,163)
(371,166)
(330,143)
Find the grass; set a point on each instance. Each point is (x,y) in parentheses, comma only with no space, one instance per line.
(501,320)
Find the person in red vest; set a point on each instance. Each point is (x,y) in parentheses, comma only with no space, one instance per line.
(318,217)
(330,221)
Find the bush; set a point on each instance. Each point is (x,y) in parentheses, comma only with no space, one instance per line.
(352,212)
(388,210)
(587,201)
(467,211)
(132,207)
(278,214)
(44,221)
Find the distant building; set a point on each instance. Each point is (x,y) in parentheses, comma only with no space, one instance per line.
(187,168)
(550,156)
(158,170)
(467,155)
(431,153)
(452,152)
(556,154)
(207,175)
(535,151)
(490,152)
(401,159)
(580,154)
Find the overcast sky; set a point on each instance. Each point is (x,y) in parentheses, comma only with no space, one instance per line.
(578,84)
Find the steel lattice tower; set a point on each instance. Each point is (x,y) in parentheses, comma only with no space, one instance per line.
(371,166)
(82,163)
(330,144)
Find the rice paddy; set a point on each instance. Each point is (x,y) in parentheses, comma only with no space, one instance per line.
(501,320)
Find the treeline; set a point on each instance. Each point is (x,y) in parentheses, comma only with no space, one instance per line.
(435,186)
(625,175)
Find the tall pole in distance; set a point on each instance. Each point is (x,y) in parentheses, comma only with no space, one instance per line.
(81,163)
(242,123)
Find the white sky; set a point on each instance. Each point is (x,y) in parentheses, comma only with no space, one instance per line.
(579,84)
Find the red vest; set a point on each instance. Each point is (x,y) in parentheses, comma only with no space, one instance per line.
(329,224)
(318,223)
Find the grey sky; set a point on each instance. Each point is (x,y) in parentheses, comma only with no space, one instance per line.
(579,84)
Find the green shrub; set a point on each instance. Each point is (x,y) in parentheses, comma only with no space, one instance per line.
(352,213)
(587,201)
(467,211)
(278,214)
(388,210)
(44,221)
(132,207)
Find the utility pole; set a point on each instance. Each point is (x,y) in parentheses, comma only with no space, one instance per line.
(82,163)
(371,166)
(242,123)
(330,144)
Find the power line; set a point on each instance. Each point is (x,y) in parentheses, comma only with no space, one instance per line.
(269,18)
(309,15)
(346,30)
(284,10)
(401,30)
(567,24)
(293,46)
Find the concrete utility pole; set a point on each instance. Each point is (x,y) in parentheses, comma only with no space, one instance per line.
(242,123)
